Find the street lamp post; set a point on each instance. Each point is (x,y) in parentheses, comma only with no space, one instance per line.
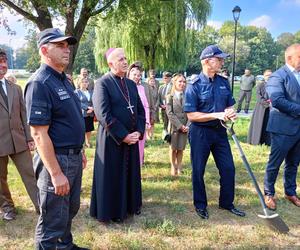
(236,15)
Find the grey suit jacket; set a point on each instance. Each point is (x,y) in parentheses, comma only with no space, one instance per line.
(150,100)
(176,115)
(14,131)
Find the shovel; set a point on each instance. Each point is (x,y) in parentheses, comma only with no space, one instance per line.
(272,220)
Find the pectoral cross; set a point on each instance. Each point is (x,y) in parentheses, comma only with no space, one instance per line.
(130,107)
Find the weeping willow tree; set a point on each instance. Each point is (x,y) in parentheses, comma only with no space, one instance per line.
(152,31)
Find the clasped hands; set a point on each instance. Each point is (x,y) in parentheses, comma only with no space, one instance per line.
(132,138)
(90,110)
(229,114)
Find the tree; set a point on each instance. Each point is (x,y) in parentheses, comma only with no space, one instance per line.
(75,13)
(262,49)
(285,39)
(152,31)
(297,37)
(242,53)
(33,61)
(21,58)
(196,42)
(85,57)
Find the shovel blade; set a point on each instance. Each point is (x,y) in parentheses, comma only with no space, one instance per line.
(275,223)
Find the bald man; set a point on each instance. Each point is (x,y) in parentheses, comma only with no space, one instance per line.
(284,125)
(116,191)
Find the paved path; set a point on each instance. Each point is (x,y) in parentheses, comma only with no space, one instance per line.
(244,115)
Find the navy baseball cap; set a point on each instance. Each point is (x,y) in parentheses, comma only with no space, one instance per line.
(54,35)
(213,51)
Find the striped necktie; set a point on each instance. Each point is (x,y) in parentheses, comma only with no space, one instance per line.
(2,92)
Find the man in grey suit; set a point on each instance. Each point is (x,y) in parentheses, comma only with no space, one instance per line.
(15,141)
(247,84)
(283,88)
(164,90)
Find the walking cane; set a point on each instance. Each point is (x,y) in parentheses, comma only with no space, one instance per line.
(272,220)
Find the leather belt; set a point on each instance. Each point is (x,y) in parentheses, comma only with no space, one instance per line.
(67,151)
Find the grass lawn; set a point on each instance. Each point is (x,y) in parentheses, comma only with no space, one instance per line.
(168,219)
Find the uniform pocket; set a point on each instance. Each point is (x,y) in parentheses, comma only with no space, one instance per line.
(40,111)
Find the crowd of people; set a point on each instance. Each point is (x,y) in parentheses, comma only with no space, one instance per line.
(57,116)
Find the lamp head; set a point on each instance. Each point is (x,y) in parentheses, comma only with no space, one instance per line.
(236,13)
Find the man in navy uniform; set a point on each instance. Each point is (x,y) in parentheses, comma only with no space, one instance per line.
(209,100)
(57,127)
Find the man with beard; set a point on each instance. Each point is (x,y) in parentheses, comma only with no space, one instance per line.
(116,190)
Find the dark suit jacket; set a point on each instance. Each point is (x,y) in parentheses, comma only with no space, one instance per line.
(84,102)
(14,131)
(284,92)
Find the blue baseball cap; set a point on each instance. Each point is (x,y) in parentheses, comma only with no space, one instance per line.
(54,35)
(213,51)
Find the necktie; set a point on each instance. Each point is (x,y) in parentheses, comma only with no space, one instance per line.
(180,98)
(4,96)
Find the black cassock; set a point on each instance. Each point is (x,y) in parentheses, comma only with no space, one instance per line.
(116,189)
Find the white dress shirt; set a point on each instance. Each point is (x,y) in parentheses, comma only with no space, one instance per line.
(295,72)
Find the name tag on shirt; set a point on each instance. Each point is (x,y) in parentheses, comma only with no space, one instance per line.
(62,93)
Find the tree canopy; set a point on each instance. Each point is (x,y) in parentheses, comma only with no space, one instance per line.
(75,14)
(152,31)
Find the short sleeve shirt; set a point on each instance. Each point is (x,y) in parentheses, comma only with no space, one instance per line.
(50,100)
(208,95)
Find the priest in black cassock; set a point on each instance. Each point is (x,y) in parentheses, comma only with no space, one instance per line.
(116,190)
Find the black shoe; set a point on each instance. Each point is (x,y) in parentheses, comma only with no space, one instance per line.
(138,212)
(8,216)
(238,110)
(235,211)
(202,213)
(75,247)
(246,111)
(117,220)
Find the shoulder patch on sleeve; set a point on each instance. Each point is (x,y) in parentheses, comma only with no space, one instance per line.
(194,79)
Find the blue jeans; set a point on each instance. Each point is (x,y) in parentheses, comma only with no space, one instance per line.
(283,147)
(204,140)
(53,230)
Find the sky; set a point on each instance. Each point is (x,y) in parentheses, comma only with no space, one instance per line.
(277,16)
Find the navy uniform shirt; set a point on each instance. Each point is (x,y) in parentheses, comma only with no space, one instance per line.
(50,100)
(208,95)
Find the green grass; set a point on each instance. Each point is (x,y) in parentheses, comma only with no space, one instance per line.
(168,219)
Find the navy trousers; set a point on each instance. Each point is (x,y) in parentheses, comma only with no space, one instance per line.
(204,140)
(53,230)
(283,148)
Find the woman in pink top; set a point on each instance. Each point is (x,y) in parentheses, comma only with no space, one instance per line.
(135,74)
